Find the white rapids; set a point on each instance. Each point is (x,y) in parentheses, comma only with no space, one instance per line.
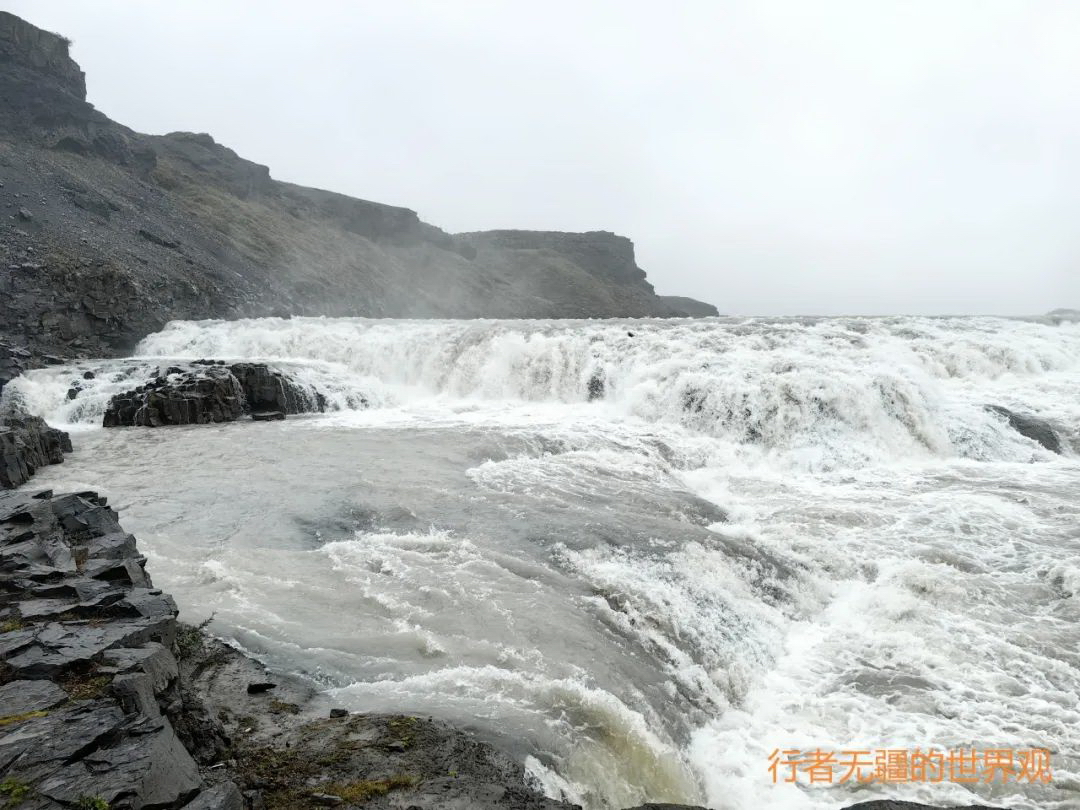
(643,554)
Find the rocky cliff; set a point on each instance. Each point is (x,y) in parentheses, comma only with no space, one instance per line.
(107,234)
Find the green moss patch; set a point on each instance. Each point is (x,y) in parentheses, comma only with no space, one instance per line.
(12,792)
(360,792)
(14,719)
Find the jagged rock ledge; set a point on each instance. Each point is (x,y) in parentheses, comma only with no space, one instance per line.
(209,391)
(27,443)
(87,679)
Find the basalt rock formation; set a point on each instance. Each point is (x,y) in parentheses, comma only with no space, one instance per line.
(208,392)
(270,391)
(108,234)
(27,443)
(179,398)
(88,680)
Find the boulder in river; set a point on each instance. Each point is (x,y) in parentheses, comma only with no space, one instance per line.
(206,392)
(1032,427)
(186,398)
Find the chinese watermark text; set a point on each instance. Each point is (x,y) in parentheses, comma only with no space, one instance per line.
(823,766)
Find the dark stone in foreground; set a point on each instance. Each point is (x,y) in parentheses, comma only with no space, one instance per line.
(84,661)
(226,796)
(1032,427)
(27,443)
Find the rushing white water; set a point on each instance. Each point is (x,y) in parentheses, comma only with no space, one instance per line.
(643,553)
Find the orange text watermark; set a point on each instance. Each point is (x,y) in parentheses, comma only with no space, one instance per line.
(818,766)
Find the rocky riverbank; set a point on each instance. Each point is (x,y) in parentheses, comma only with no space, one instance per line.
(109,702)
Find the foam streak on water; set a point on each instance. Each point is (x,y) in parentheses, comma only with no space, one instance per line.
(642,553)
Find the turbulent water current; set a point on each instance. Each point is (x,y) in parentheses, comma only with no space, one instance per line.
(642,554)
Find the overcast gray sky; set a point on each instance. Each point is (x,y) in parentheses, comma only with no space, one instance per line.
(767,156)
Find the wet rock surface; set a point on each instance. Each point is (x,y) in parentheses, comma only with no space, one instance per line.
(87,676)
(270,391)
(1033,427)
(179,397)
(206,392)
(26,444)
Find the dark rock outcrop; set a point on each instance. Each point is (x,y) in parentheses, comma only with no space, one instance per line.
(267,416)
(225,796)
(206,392)
(25,46)
(194,397)
(129,231)
(1034,428)
(27,443)
(593,274)
(44,101)
(85,668)
(267,390)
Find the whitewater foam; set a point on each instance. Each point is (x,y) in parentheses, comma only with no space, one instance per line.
(647,552)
